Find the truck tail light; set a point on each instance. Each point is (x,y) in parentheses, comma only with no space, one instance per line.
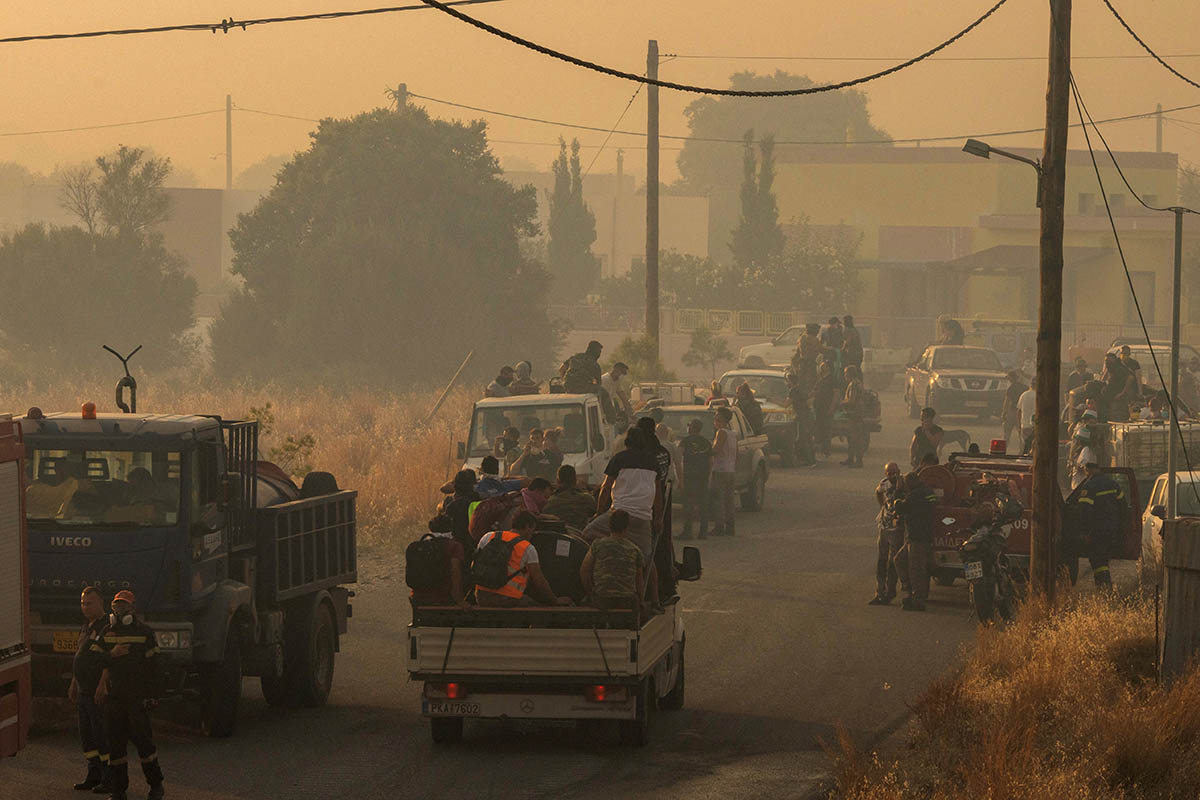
(448,691)
(999,447)
(606,694)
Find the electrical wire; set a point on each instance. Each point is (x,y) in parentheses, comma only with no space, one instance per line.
(114,124)
(609,135)
(1129,279)
(683,87)
(1146,47)
(226,25)
(718,57)
(922,140)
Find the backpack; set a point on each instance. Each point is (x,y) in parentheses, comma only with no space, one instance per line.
(426,563)
(489,567)
(492,512)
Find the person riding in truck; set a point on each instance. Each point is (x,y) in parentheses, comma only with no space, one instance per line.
(506,569)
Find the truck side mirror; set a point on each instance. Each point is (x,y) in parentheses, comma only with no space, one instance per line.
(690,569)
(462,451)
(1159,511)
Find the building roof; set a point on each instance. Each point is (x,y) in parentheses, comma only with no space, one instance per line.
(1023,257)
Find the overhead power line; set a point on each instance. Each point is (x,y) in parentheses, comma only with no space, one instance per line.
(684,87)
(676,137)
(721,57)
(1146,47)
(114,124)
(226,25)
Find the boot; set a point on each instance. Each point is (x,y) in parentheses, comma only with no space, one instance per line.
(156,792)
(879,600)
(102,788)
(87,784)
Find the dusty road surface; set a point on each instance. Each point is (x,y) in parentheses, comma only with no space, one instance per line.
(782,648)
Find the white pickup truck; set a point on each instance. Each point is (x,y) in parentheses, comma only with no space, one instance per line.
(549,663)
(880,364)
(586,441)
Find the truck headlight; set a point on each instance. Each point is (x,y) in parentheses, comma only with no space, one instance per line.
(945,383)
(173,640)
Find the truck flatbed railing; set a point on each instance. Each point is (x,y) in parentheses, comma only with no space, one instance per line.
(308,545)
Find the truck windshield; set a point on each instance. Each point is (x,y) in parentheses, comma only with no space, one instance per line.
(965,358)
(765,387)
(677,421)
(103,487)
(490,422)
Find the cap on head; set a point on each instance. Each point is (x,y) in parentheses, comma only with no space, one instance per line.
(123,596)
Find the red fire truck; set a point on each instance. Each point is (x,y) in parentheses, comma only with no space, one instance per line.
(15,685)
(952,483)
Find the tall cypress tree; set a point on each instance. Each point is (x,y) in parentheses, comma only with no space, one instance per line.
(758,236)
(572,230)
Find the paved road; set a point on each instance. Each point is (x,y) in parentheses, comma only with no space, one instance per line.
(782,648)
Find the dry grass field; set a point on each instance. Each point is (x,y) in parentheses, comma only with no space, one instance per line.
(1063,706)
(372,441)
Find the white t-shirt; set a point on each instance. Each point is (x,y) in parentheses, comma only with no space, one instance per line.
(1027,405)
(530,555)
(1078,473)
(635,476)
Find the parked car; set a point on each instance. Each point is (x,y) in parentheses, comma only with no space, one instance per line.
(956,379)
(750,480)
(1187,504)
(770,387)
(880,364)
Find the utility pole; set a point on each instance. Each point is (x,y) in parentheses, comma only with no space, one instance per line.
(401,95)
(1158,128)
(1046,494)
(228,142)
(616,215)
(1173,445)
(652,196)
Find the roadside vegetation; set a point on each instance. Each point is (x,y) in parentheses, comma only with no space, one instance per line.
(372,441)
(1065,705)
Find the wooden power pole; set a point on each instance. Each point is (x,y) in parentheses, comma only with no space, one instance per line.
(652,196)
(1046,493)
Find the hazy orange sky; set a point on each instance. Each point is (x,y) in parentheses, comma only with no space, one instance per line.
(337,68)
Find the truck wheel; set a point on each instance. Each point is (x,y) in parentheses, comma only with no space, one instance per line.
(312,669)
(446,730)
(944,578)
(755,494)
(223,690)
(673,700)
(636,732)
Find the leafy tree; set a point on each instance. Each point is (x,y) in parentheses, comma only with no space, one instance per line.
(639,355)
(77,194)
(707,349)
(261,174)
(385,252)
(758,236)
(706,167)
(68,291)
(572,228)
(129,193)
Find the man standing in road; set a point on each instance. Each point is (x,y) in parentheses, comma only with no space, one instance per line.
(918,510)
(724,462)
(891,537)
(128,689)
(1010,412)
(927,439)
(852,344)
(1027,408)
(696,453)
(85,677)
(1102,504)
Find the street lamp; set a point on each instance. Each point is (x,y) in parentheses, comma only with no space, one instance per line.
(985,150)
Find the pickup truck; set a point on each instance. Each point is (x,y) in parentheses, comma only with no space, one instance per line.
(750,478)
(770,387)
(880,364)
(550,663)
(955,379)
(16,695)
(1187,502)
(586,441)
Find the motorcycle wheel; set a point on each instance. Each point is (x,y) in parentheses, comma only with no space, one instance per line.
(983,596)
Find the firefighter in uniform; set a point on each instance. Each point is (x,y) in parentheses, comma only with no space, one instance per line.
(1102,504)
(917,506)
(129,688)
(85,677)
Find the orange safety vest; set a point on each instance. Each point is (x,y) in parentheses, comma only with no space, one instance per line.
(515,588)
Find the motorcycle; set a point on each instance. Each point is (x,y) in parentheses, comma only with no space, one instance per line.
(994,582)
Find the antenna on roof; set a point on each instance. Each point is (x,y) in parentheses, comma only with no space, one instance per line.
(128,380)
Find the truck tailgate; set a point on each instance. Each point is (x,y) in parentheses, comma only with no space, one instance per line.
(579,650)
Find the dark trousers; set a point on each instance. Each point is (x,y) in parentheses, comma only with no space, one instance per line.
(804,436)
(1099,549)
(664,555)
(890,542)
(721,495)
(695,502)
(822,430)
(92,738)
(127,722)
(855,444)
(913,559)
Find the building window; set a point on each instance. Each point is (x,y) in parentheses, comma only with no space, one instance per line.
(1143,284)
(1087,203)
(1116,202)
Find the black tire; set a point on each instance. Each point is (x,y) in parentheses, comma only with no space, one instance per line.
(446,730)
(944,578)
(311,658)
(636,732)
(755,494)
(673,700)
(983,598)
(222,689)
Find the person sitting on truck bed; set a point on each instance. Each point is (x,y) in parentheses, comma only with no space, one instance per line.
(457,508)
(499,387)
(524,382)
(581,372)
(613,571)
(570,503)
(491,485)
(526,585)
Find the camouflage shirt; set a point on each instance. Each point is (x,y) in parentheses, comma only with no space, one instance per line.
(576,507)
(615,564)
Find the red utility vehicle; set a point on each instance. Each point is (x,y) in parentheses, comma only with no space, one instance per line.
(15,682)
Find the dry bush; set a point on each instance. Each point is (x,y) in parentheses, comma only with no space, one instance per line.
(371,440)
(1062,704)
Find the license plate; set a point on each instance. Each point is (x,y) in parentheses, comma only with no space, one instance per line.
(973,570)
(66,641)
(457,709)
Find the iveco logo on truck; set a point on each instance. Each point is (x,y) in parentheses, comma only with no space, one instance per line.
(70,541)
